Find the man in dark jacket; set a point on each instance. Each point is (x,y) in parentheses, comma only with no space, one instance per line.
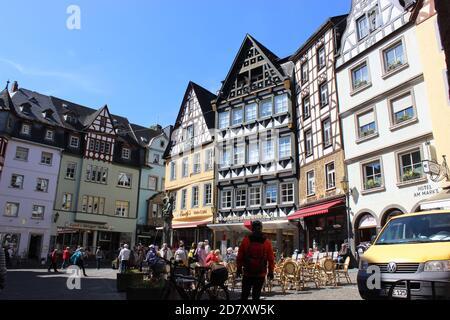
(256,259)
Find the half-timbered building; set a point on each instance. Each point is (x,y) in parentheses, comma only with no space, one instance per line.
(97,198)
(322,203)
(257,171)
(190,166)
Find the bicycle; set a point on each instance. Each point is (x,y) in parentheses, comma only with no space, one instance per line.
(197,287)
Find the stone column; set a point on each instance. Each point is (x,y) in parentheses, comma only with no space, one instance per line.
(85,239)
(94,240)
(297,240)
(279,243)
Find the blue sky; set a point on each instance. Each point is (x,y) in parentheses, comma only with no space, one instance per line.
(138,56)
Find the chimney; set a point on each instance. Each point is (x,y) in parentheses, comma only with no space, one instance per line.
(15,87)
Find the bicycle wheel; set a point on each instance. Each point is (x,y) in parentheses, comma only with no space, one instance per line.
(211,292)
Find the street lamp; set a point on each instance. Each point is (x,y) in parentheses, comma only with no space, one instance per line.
(348,192)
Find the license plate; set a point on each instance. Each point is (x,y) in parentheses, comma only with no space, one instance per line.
(397,293)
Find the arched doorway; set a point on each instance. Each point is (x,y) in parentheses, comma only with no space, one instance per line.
(390,214)
(365,227)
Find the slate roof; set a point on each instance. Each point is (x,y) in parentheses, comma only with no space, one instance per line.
(204,98)
(35,103)
(338,22)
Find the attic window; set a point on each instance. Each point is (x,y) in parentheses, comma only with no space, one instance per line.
(162,144)
(69,118)
(25,108)
(257,74)
(47,114)
(242,79)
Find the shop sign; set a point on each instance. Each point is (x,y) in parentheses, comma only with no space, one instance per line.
(426,191)
(86,226)
(187,213)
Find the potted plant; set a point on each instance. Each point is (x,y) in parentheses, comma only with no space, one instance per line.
(370,184)
(128,279)
(410,175)
(152,289)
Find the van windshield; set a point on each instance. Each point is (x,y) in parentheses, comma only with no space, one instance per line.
(417,229)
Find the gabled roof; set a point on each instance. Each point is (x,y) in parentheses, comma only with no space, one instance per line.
(86,116)
(204,98)
(337,22)
(269,56)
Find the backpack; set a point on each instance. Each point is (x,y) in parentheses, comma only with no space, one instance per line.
(255,260)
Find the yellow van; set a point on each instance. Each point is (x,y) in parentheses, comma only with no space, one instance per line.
(409,259)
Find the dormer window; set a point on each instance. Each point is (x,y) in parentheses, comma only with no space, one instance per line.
(47,114)
(49,135)
(125,153)
(25,108)
(26,129)
(69,118)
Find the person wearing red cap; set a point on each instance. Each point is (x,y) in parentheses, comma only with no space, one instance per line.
(256,259)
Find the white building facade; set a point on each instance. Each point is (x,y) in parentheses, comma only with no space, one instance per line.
(27,194)
(384,112)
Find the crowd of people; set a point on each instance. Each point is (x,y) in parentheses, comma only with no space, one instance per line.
(197,255)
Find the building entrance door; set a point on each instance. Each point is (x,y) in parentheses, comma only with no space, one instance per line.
(35,247)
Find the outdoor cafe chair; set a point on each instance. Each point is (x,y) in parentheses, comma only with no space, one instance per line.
(288,275)
(343,271)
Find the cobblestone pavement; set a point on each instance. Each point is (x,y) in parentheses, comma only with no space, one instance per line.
(38,284)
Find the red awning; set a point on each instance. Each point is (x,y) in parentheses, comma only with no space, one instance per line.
(323,208)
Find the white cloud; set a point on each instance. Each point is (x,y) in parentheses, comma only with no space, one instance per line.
(71,78)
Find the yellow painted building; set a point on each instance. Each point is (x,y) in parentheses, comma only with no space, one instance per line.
(435,73)
(190,167)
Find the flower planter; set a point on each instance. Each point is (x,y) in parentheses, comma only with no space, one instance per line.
(127,280)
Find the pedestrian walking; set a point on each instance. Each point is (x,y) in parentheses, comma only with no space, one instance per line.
(78,259)
(123,258)
(99,257)
(66,257)
(53,260)
(2,270)
(256,259)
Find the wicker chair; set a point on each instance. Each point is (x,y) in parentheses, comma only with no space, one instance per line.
(232,271)
(328,272)
(310,272)
(343,272)
(289,275)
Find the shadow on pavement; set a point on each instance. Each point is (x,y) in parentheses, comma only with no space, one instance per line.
(42,285)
